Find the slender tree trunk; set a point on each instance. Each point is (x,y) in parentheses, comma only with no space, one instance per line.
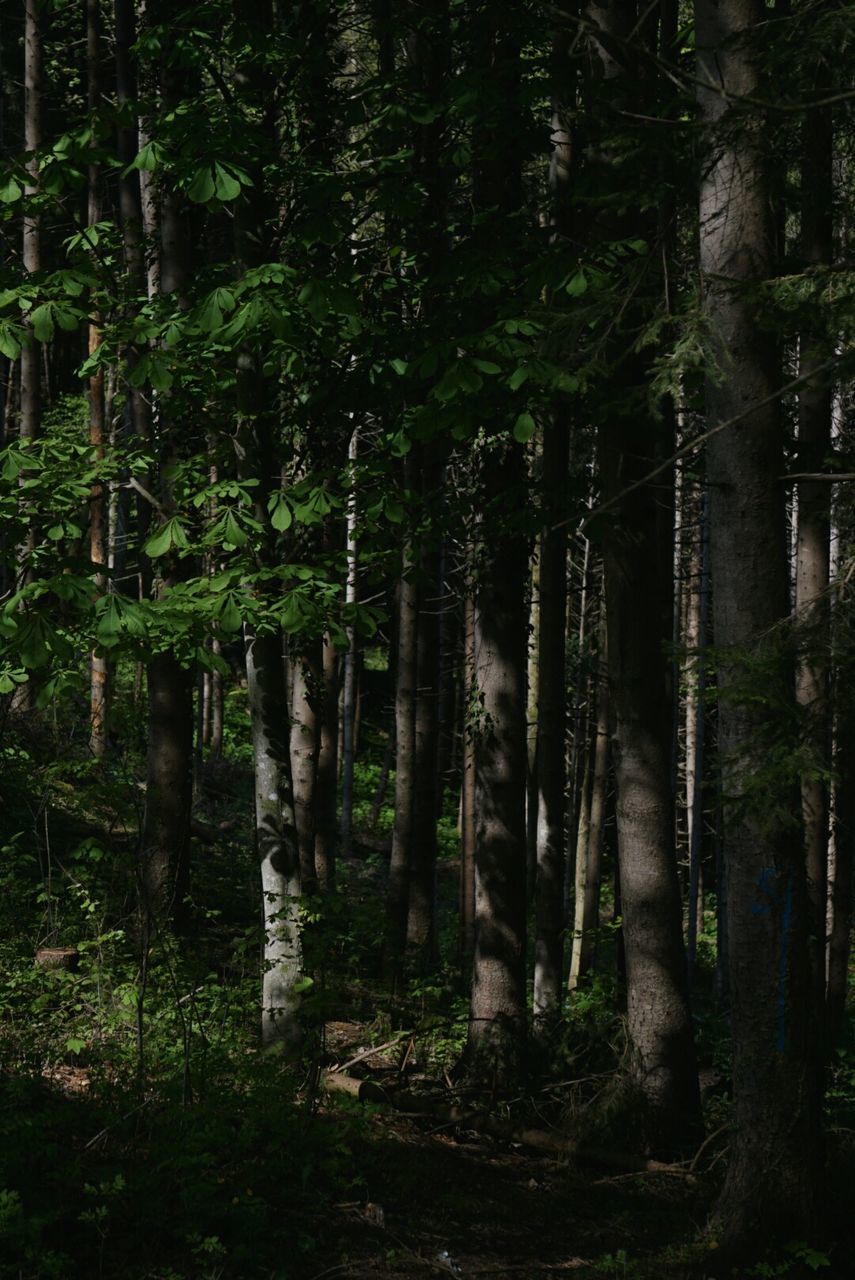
(327,772)
(467,780)
(99,671)
(589,840)
(696,729)
(276,839)
(32,244)
(551,725)
(306,712)
(277,842)
(771,1179)
(30,373)
(532,703)
(422,898)
(351,672)
(397,903)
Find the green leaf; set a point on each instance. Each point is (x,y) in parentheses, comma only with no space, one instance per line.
(159,375)
(314,299)
(11,191)
(211,316)
(233,532)
(147,157)
(170,535)
(486,366)
(42,318)
(400,366)
(394,511)
(524,428)
(280,513)
(226,187)
(74,1045)
(518,377)
(228,614)
(577,284)
(9,344)
(202,188)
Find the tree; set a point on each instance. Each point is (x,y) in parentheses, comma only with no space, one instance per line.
(771,1178)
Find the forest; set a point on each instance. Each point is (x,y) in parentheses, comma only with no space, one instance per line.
(427,651)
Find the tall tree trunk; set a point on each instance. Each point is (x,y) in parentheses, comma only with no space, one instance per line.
(812,543)
(638,574)
(589,838)
(351,670)
(326,780)
(276,839)
(467,779)
(551,724)
(771,1179)
(498,1005)
(99,670)
(30,372)
(497,1016)
(397,902)
(277,842)
(165,838)
(422,899)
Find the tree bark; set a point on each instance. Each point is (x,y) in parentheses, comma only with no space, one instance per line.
(99,668)
(498,1005)
(551,725)
(306,712)
(326,779)
(397,902)
(771,1179)
(638,574)
(812,545)
(589,839)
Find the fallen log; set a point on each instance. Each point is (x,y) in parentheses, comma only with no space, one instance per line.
(481,1121)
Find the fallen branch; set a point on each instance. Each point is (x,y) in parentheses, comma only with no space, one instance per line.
(370,1053)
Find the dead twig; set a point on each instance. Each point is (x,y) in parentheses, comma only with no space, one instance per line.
(370,1053)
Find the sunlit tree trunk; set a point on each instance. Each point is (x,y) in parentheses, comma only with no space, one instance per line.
(306,712)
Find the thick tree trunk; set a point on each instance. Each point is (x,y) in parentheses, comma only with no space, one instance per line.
(812,546)
(771,1180)
(498,1004)
(638,574)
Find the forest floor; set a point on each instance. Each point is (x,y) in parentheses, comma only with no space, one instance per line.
(143,1136)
